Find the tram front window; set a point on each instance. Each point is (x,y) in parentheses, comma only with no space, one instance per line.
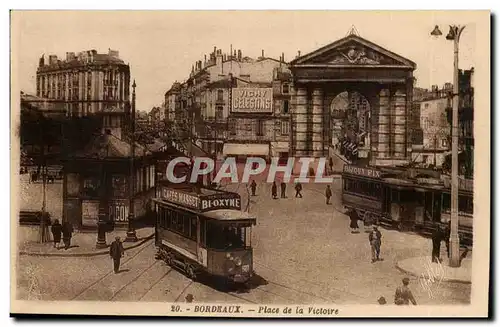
(225,237)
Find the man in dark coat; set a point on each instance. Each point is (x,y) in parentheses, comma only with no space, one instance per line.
(253,187)
(437,237)
(283,190)
(116,252)
(331,165)
(375,238)
(274,191)
(328,194)
(67,232)
(56,229)
(298,190)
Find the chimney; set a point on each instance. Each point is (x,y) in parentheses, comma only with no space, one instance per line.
(239,55)
(262,53)
(218,59)
(298,54)
(283,57)
(205,61)
(215,51)
(235,56)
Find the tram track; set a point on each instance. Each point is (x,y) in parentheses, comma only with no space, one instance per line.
(155,283)
(306,281)
(108,274)
(133,280)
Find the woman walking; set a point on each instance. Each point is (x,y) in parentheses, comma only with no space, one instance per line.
(354,221)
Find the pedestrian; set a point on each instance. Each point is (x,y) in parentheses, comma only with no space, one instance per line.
(253,187)
(375,238)
(67,232)
(437,237)
(56,229)
(353,215)
(331,165)
(274,190)
(328,194)
(283,190)
(446,237)
(298,190)
(116,252)
(368,222)
(403,294)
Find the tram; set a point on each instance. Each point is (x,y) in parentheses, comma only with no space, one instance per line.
(204,230)
(395,199)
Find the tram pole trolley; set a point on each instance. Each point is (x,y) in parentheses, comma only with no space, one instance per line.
(204,231)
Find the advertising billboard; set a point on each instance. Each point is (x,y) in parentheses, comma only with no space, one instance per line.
(252,100)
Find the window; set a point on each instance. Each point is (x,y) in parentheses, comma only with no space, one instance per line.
(285,127)
(260,127)
(219,113)
(365,188)
(232,127)
(285,106)
(285,89)
(426,105)
(444,143)
(220,95)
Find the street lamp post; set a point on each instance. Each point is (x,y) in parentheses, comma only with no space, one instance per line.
(454,35)
(131,234)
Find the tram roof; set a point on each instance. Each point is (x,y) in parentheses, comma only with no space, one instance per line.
(229,215)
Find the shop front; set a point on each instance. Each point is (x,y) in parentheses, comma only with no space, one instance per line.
(242,151)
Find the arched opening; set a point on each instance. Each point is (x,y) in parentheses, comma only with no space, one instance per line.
(350,125)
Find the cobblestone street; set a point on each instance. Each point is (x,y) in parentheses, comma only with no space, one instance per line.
(303,253)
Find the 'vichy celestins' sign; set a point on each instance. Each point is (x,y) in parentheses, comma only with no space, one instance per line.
(252,100)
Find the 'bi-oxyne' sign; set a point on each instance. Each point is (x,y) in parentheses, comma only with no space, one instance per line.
(203,203)
(362,171)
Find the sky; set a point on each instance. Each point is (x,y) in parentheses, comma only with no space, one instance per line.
(161,46)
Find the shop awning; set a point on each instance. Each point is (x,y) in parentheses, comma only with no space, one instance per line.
(240,149)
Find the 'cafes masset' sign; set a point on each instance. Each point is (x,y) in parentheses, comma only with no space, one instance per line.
(203,203)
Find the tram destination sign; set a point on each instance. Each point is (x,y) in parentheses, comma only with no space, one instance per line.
(203,203)
(362,171)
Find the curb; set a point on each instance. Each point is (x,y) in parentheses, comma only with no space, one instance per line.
(446,280)
(86,254)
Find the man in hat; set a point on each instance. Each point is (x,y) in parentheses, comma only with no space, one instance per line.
(328,194)
(403,294)
(253,187)
(283,189)
(375,238)
(116,252)
(274,190)
(298,190)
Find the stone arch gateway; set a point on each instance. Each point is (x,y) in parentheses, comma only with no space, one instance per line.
(356,66)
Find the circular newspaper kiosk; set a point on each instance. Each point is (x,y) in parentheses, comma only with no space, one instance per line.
(204,230)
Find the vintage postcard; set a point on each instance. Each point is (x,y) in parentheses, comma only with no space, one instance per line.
(250,163)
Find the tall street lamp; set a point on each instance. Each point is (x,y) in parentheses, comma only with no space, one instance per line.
(454,35)
(131,234)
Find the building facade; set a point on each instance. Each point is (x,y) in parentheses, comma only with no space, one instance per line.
(208,103)
(430,109)
(87,82)
(353,68)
